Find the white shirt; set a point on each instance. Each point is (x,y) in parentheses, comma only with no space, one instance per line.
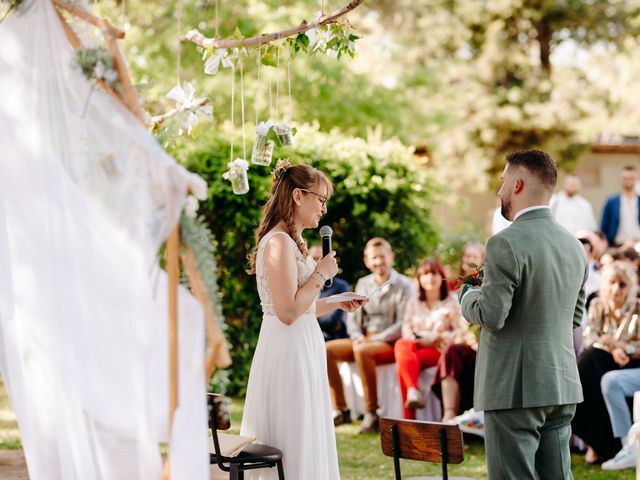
(528,209)
(498,222)
(573,213)
(628,228)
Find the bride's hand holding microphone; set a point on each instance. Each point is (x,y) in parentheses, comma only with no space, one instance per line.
(326,269)
(327,266)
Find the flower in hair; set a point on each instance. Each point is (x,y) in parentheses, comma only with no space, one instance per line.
(281,168)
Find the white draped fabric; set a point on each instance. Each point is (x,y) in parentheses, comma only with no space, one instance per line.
(86,198)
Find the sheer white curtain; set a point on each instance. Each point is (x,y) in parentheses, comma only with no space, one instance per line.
(86,199)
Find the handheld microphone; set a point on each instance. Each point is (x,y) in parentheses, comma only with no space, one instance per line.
(325,234)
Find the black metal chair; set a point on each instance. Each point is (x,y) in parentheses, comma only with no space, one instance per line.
(252,457)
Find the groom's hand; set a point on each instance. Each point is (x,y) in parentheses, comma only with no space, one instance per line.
(465,289)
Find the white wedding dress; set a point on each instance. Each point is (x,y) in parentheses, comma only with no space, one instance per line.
(288,404)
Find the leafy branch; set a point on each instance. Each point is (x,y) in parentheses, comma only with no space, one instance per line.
(198,38)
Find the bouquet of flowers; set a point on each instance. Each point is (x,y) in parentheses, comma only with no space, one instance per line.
(474,278)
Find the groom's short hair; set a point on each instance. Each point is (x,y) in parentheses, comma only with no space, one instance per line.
(537,163)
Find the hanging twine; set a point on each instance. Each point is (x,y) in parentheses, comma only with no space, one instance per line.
(277,83)
(233,88)
(322,7)
(270,101)
(258,87)
(244,143)
(124,10)
(179,46)
(289,83)
(217,14)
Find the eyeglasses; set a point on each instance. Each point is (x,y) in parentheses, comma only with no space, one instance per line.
(323,199)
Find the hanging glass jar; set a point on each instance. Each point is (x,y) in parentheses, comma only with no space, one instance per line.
(237,175)
(262,152)
(284,134)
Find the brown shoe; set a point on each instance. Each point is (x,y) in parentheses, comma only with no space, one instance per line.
(415,399)
(370,423)
(340,417)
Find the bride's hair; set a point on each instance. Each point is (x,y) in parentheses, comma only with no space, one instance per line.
(279,206)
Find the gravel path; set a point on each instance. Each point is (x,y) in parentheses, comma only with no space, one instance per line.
(12,465)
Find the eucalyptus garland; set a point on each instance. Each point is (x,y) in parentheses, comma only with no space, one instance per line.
(195,234)
(97,65)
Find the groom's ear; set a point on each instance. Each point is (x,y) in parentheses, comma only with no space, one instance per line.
(518,186)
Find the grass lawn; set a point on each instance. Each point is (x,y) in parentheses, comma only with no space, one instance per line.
(360,455)
(9,435)
(361,458)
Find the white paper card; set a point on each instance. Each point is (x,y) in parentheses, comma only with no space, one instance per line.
(344,297)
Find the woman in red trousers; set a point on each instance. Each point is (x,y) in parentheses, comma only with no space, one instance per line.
(432,321)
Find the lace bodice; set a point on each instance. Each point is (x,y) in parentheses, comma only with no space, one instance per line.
(305,269)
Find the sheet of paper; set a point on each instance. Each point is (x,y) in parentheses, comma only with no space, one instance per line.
(344,297)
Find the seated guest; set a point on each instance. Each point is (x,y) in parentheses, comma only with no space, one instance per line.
(333,325)
(473,254)
(373,330)
(611,341)
(431,322)
(454,379)
(617,385)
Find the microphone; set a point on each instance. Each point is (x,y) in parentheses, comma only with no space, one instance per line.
(325,234)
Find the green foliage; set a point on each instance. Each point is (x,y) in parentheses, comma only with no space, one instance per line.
(97,65)
(195,235)
(6,6)
(380,191)
(451,246)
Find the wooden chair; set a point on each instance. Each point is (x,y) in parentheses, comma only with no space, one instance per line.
(252,457)
(426,441)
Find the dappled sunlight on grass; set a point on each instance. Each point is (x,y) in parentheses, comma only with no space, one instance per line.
(9,434)
(360,456)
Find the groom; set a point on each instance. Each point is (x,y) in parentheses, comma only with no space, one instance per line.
(532,297)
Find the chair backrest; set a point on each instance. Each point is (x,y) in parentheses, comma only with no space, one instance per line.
(218,412)
(417,440)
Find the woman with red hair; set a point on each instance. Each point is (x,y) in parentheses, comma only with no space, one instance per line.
(432,321)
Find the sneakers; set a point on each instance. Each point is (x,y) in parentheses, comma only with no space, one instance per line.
(340,417)
(414,398)
(625,458)
(370,423)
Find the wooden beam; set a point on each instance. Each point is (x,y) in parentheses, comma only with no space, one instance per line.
(198,38)
(159,119)
(628,148)
(101,23)
(173,271)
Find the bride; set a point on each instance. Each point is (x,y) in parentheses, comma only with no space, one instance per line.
(287,404)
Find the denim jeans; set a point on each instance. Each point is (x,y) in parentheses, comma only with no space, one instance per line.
(616,385)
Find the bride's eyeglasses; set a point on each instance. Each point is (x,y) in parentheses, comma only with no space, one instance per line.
(323,199)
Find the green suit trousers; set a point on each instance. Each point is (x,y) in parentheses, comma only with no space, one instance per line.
(523,442)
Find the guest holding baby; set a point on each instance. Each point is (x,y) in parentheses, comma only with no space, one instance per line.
(432,321)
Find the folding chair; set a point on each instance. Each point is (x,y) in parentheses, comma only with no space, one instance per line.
(425,441)
(252,457)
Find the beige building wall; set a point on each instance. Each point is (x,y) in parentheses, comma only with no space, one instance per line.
(599,170)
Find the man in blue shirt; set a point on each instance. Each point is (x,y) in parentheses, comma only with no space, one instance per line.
(621,212)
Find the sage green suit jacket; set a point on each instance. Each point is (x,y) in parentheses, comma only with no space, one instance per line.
(531,299)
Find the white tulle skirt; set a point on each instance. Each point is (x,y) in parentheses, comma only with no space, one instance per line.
(288,404)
